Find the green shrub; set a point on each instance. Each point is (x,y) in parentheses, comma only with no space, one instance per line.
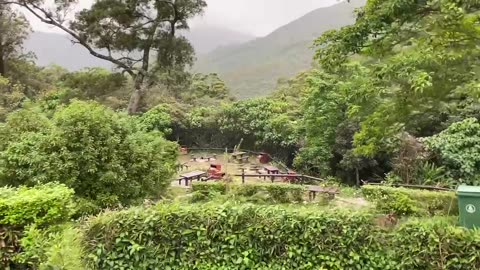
(157,118)
(404,201)
(248,190)
(205,187)
(284,193)
(259,237)
(206,191)
(435,244)
(277,193)
(92,149)
(261,197)
(204,196)
(260,193)
(41,205)
(458,151)
(231,237)
(58,247)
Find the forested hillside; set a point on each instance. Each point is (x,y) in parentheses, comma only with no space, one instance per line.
(352,163)
(253,68)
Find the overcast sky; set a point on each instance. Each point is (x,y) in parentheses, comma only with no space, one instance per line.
(257,17)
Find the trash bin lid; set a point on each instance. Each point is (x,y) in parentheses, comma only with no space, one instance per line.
(465,190)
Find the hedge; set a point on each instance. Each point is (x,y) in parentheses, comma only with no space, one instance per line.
(404,201)
(204,187)
(425,244)
(276,193)
(260,237)
(40,206)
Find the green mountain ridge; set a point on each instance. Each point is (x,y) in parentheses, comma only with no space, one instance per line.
(250,66)
(253,68)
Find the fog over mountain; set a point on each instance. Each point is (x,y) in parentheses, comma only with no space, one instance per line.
(251,65)
(56,48)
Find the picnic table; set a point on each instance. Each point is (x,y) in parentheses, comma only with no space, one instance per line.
(239,155)
(271,169)
(313,190)
(190,176)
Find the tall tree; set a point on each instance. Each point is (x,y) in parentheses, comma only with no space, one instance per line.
(403,69)
(127,33)
(14,28)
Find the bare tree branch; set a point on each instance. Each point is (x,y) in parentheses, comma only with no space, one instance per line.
(46,17)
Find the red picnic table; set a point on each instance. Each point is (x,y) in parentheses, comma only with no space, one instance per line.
(271,170)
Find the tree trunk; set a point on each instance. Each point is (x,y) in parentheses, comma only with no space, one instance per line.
(139,93)
(357,177)
(137,96)
(3,68)
(3,64)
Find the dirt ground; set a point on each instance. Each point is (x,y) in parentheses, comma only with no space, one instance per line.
(229,166)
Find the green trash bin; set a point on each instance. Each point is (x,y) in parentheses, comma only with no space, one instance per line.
(469,206)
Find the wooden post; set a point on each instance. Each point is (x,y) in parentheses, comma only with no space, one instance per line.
(357,177)
(243,176)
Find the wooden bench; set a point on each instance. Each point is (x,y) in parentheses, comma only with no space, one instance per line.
(313,190)
(244,159)
(182,166)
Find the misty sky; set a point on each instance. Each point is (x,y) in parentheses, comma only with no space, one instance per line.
(256,17)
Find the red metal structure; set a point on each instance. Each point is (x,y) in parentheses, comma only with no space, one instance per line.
(215,171)
(264,158)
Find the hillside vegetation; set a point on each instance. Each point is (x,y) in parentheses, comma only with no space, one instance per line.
(92,161)
(253,68)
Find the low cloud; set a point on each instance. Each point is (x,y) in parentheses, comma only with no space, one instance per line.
(256,17)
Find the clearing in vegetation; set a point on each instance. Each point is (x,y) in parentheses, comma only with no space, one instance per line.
(93,174)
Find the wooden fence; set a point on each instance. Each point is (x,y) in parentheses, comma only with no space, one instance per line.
(301,178)
(434,188)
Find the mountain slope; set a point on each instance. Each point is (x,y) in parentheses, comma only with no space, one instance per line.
(51,48)
(206,38)
(253,68)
